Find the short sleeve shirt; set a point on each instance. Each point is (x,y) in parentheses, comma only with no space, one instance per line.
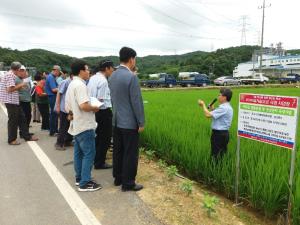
(62,89)
(24,93)
(76,95)
(222,117)
(7,81)
(98,88)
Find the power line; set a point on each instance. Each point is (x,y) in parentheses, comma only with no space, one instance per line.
(175,34)
(194,11)
(168,16)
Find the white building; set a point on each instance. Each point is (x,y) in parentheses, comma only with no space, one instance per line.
(272,65)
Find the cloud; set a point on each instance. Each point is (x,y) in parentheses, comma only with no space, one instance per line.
(93,27)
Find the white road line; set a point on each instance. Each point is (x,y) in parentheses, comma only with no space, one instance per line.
(83,213)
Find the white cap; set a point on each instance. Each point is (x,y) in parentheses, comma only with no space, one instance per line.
(22,67)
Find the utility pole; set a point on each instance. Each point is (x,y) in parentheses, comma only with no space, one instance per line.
(262,33)
(244,24)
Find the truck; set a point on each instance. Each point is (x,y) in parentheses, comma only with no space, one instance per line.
(256,78)
(194,80)
(290,78)
(165,80)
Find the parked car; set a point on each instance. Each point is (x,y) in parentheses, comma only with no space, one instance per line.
(227,80)
(165,80)
(290,78)
(195,80)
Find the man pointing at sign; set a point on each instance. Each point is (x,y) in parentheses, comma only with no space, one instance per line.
(221,122)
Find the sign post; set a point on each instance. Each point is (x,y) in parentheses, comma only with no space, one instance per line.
(270,119)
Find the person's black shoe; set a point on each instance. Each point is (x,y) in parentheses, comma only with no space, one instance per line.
(31,134)
(90,186)
(103,167)
(59,147)
(77,181)
(136,187)
(117,182)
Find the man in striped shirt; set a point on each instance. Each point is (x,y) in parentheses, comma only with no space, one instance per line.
(10,97)
(98,88)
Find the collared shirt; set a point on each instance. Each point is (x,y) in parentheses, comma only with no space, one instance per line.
(76,95)
(98,88)
(59,80)
(7,81)
(126,67)
(50,84)
(24,93)
(62,89)
(222,117)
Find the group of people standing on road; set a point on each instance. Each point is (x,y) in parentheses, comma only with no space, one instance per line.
(89,128)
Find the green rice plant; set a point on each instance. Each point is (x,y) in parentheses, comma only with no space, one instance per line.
(162,164)
(171,172)
(150,154)
(187,186)
(180,133)
(209,204)
(142,149)
(296,202)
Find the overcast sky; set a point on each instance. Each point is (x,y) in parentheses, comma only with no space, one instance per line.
(96,27)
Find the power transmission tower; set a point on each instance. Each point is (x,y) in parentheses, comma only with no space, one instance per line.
(244,24)
(262,33)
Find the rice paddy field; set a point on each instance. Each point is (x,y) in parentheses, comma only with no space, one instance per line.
(178,132)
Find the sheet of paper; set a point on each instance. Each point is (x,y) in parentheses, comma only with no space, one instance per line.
(95,102)
(27,80)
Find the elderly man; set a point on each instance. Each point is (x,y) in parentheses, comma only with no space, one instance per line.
(10,97)
(24,93)
(128,121)
(98,88)
(51,90)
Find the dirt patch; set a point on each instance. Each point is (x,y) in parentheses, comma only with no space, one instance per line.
(173,206)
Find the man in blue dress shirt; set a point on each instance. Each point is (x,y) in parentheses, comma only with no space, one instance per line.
(221,122)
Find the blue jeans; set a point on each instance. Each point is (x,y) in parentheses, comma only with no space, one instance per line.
(53,115)
(84,155)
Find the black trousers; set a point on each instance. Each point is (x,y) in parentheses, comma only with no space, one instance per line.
(63,135)
(103,135)
(125,155)
(16,118)
(219,141)
(44,111)
(26,106)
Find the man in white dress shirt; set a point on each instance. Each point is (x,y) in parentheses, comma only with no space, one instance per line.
(98,88)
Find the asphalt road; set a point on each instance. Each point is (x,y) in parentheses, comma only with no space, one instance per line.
(28,195)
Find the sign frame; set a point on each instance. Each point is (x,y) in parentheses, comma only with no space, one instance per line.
(293,154)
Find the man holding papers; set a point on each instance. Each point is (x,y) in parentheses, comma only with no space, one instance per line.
(82,126)
(98,89)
